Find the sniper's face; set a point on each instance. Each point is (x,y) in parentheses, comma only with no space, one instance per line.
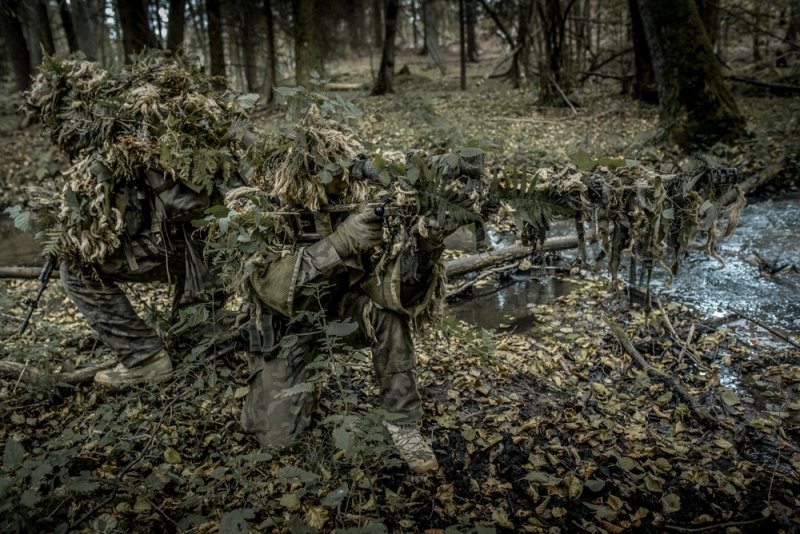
(336,187)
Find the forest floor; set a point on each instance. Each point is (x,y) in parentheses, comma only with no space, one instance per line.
(598,418)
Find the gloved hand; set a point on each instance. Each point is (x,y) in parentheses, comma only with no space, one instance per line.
(436,233)
(358,233)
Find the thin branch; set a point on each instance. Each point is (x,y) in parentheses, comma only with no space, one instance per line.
(700,412)
(499,23)
(715,526)
(768,328)
(775,88)
(558,87)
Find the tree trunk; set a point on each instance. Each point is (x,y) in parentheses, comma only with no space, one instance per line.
(462,42)
(554,82)
(709,14)
(17,49)
(176,24)
(248,21)
(385,82)
(136,32)
(756,33)
(377,23)
(432,48)
(516,38)
(215,43)
(69,27)
(356,24)
(87,16)
(793,28)
(472,40)
(644,83)
(415,23)
(270,72)
(42,26)
(307,53)
(696,106)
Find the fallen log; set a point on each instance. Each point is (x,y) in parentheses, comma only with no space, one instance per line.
(31,375)
(477,262)
(456,267)
(16,271)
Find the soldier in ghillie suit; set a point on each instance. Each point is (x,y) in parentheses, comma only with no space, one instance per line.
(381,278)
(151,147)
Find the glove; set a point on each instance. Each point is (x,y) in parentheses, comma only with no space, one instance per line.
(358,233)
(437,233)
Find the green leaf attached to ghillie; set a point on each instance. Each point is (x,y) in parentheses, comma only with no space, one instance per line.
(160,112)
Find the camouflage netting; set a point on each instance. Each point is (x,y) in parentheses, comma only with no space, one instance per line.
(160,112)
(635,210)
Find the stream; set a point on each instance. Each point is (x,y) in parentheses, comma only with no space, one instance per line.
(768,228)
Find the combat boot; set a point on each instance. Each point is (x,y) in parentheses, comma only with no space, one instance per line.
(413,448)
(156,368)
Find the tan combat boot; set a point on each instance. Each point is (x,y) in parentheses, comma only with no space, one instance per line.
(156,368)
(413,448)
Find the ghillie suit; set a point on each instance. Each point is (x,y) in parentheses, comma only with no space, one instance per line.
(634,210)
(307,248)
(151,147)
(157,114)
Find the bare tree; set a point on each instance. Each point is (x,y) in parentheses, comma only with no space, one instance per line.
(87,16)
(136,32)
(554,81)
(709,14)
(15,45)
(215,43)
(307,53)
(430,17)
(696,106)
(356,23)
(377,22)
(40,24)
(472,21)
(176,24)
(270,72)
(69,28)
(513,21)
(385,82)
(793,27)
(644,83)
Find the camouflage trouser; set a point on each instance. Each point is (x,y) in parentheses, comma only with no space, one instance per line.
(277,421)
(106,307)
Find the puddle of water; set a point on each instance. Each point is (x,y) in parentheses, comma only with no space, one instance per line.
(505,307)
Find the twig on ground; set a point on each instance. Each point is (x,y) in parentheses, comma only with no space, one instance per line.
(22,371)
(768,328)
(676,338)
(700,412)
(715,526)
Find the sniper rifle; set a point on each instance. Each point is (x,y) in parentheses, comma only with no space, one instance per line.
(32,304)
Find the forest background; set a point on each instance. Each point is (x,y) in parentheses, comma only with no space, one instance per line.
(589,424)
